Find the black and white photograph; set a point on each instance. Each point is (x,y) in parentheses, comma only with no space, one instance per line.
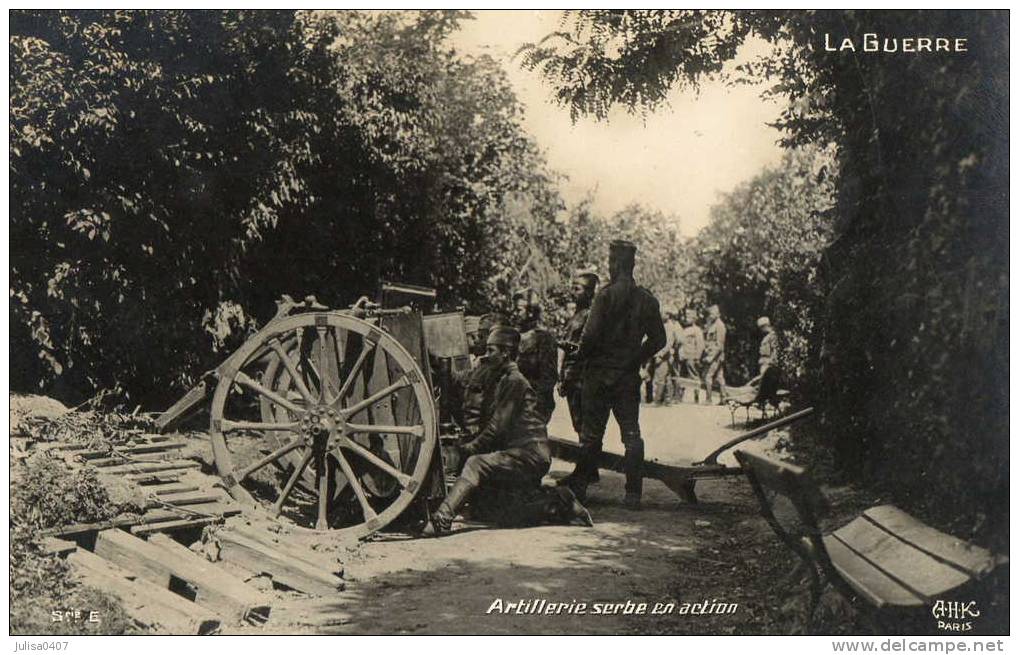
(559,322)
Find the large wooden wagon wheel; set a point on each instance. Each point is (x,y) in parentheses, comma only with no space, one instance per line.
(342,409)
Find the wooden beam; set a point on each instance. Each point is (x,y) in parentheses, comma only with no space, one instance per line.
(173,488)
(284,568)
(161,559)
(137,449)
(55,546)
(177,465)
(151,606)
(145,529)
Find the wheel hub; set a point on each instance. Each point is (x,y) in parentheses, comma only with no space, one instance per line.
(320,424)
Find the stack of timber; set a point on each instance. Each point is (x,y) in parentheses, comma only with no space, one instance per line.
(178,495)
(254,551)
(164,586)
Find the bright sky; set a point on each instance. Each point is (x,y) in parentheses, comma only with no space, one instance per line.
(677,161)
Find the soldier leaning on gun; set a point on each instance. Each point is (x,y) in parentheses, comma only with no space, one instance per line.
(612,348)
(512,449)
(584,285)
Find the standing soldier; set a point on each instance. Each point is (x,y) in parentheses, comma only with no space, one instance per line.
(714,354)
(662,363)
(538,351)
(768,351)
(584,285)
(612,348)
(690,352)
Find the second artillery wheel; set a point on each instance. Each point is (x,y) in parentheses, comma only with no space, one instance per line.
(339,408)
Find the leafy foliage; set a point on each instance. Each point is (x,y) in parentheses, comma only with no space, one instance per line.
(760,256)
(914,330)
(170,168)
(44,494)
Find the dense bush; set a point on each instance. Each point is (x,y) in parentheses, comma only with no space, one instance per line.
(760,256)
(175,172)
(913,333)
(44,494)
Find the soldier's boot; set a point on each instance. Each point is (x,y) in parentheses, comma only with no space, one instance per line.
(574,510)
(577,474)
(633,467)
(442,519)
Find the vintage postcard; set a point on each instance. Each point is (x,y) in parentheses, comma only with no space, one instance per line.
(532,322)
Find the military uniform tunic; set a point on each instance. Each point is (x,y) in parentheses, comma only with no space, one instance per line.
(537,363)
(612,347)
(513,446)
(572,368)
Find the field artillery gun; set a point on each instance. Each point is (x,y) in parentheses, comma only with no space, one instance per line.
(341,407)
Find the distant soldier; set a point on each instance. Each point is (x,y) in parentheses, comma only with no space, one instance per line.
(768,351)
(662,362)
(584,285)
(714,354)
(624,329)
(538,351)
(511,451)
(690,352)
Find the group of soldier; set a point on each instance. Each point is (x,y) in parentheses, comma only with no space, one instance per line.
(690,355)
(508,397)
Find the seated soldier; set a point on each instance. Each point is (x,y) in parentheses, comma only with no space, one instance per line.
(511,452)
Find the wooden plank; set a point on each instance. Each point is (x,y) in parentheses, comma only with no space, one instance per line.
(184,407)
(80,528)
(876,587)
(284,568)
(155,478)
(188,512)
(910,567)
(964,556)
(154,468)
(149,605)
(161,557)
(321,561)
(192,498)
(138,449)
(173,488)
(55,546)
(170,526)
(788,479)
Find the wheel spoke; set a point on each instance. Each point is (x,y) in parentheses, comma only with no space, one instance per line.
(377,396)
(323,491)
(244,380)
(372,458)
(278,507)
(302,388)
(230,426)
(366,347)
(268,459)
(355,484)
(323,363)
(416,430)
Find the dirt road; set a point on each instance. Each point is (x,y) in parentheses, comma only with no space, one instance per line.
(400,585)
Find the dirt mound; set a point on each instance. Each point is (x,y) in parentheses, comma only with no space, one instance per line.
(26,407)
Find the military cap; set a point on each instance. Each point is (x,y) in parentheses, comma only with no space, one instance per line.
(488,321)
(504,335)
(623,251)
(587,276)
(763,322)
(622,246)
